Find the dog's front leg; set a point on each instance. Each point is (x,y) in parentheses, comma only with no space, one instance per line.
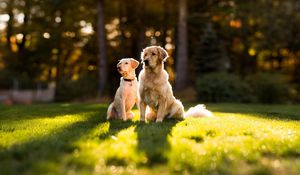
(137,102)
(142,107)
(161,111)
(123,111)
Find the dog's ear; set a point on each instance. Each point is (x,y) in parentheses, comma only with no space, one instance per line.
(134,63)
(163,54)
(119,62)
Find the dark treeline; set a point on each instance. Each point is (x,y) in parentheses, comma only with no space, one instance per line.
(252,46)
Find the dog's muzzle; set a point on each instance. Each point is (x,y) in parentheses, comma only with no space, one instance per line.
(146,62)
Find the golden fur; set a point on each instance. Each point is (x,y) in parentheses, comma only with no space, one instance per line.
(155,91)
(126,95)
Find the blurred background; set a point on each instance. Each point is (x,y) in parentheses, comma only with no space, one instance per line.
(220,50)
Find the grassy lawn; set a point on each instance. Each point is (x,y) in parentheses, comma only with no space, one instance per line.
(76,139)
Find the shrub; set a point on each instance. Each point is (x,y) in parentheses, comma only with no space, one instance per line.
(23,81)
(85,86)
(5,81)
(269,88)
(222,87)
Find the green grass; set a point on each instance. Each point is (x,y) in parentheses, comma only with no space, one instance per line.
(76,139)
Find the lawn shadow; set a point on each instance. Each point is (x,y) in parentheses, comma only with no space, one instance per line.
(47,149)
(153,140)
(116,126)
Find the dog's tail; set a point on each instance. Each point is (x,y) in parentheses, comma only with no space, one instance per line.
(110,111)
(198,111)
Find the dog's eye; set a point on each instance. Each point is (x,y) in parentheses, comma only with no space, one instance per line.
(153,54)
(126,62)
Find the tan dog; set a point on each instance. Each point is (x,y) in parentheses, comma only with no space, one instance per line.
(126,95)
(156,92)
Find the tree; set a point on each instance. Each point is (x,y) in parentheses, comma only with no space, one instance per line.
(182,46)
(9,28)
(102,71)
(210,54)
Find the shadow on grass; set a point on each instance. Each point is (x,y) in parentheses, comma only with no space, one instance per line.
(152,137)
(116,126)
(153,140)
(47,149)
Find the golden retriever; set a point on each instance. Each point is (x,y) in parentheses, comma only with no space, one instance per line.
(155,92)
(126,95)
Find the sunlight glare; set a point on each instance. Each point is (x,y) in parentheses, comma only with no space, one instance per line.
(87,29)
(58,19)
(46,35)
(2,26)
(20,18)
(252,52)
(4,18)
(82,23)
(19,37)
(157,33)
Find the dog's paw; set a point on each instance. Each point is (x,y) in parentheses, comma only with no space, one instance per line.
(130,115)
(159,120)
(142,119)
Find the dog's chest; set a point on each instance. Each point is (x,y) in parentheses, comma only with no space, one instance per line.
(130,89)
(150,97)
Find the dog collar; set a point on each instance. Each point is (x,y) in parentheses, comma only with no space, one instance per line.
(130,80)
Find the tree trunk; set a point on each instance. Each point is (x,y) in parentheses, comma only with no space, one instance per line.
(102,69)
(165,23)
(141,31)
(9,28)
(182,54)
(57,63)
(21,45)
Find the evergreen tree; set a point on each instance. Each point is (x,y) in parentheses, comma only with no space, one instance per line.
(210,54)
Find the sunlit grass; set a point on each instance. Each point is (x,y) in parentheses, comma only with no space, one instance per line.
(76,139)
(16,132)
(229,141)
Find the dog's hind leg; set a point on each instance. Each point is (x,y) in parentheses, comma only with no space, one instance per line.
(177,110)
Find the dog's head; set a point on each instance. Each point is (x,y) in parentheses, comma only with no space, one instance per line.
(153,56)
(127,66)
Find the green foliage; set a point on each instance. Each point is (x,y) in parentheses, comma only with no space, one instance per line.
(21,82)
(44,41)
(222,87)
(68,89)
(268,87)
(76,139)
(5,80)
(209,53)
(261,88)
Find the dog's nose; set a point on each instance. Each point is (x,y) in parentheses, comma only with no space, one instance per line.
(146,62)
